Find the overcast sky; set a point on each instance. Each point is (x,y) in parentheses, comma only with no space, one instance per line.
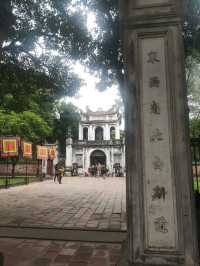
(88,95)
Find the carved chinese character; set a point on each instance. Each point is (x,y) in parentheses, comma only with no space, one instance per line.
(153,57)
(157,163)
(156,136)
(154,82)
(159,193)
(161,225)
(155,108)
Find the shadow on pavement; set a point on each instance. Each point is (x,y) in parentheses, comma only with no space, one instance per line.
(1,259)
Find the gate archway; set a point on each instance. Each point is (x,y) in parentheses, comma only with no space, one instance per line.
(97,157)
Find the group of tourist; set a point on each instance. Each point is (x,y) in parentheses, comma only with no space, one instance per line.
(74,170)
(98,170)
(102,170)
(94,170)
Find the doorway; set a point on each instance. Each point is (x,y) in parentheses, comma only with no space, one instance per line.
(97,157)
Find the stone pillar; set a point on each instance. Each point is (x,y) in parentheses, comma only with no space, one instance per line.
(83,159)
(68,162)
(107,132)
(80,132)
(123,156)
(87,156)
(44,167)
(117,131)
(91,132)
(161,222)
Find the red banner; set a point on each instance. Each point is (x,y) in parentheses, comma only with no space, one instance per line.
(27,149)
(9,147)
(52,152)
(42,153)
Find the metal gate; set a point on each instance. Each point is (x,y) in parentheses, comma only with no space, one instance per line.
(195,148)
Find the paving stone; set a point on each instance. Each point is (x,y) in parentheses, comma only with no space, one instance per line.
(79,264)
(84,250)
(59,264)
(90,254)
(23,263)
(50,254)
(79,202)
(100,253)
(42,262)
(62,259)
(68,251)
(81,258)
(98,261)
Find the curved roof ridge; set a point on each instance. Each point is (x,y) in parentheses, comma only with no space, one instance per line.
(100,111)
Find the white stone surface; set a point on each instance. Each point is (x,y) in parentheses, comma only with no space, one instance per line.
(44,166)
(80,132)
(80,152)
(158,171)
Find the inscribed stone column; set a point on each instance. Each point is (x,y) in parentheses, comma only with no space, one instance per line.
(161,222)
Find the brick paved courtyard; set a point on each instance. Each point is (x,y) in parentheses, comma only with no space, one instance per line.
(19,252)
(79,202)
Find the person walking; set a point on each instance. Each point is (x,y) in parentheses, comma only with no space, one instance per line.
(60,174)
(56,172)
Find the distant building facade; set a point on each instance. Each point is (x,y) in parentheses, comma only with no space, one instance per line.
(99,141)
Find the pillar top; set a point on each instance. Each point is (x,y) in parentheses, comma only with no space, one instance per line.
(143,11)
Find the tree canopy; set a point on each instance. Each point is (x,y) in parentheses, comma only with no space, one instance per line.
(27,125)
(66,124)
(50,35)
(38,44)
(41,40)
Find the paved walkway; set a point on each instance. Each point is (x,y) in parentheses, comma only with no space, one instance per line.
(79,202)
(19,252)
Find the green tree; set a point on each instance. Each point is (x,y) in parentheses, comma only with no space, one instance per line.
(32,91)
(193,85)
(195,128)
(191,26)
(43,38)
(26,125)
(6,21)
(38,41)
(66,123)
(60,25)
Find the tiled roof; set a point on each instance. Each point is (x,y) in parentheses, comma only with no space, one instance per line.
(101,112)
